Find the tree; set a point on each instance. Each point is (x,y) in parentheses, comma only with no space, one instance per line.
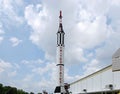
(31,93)
(1,88)
(20,91)
(12,90)
(39,93)
(6,89)
(1,85)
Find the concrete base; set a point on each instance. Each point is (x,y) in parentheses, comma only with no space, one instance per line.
(60,90)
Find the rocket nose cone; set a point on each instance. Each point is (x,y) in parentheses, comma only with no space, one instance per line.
(60,14)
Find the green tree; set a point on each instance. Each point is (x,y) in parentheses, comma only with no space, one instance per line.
(6,89)
(12,90)
(21,92)
(31,93)
(1,88)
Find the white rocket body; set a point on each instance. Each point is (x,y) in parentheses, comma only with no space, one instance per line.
(60,65)
(60,58)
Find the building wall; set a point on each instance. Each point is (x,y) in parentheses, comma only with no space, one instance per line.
(97,82)
(116,61)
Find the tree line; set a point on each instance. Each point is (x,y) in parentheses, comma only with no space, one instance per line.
(12,90)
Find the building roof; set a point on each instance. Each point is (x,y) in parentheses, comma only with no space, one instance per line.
(109,66)
(116,54)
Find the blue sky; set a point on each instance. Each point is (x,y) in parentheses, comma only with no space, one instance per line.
(28,40)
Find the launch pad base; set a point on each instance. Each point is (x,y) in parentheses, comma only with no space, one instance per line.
(60,90)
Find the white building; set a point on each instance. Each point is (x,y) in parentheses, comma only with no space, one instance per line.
(104,81)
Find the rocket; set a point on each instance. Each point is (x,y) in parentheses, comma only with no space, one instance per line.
(60,89)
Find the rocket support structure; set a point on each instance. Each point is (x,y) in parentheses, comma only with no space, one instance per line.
(60,89)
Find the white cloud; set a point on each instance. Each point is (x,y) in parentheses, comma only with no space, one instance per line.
(10,8)
(15,41)
(91,67)
(38,20)
(43,70)
(28,78)
(75,54)
(1,32)
(42,75)
(32,62)
(4,65)
(1,29)
(12,74)
(104,54)
(90,34)
(1,39)
(8,70)
(68,78)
